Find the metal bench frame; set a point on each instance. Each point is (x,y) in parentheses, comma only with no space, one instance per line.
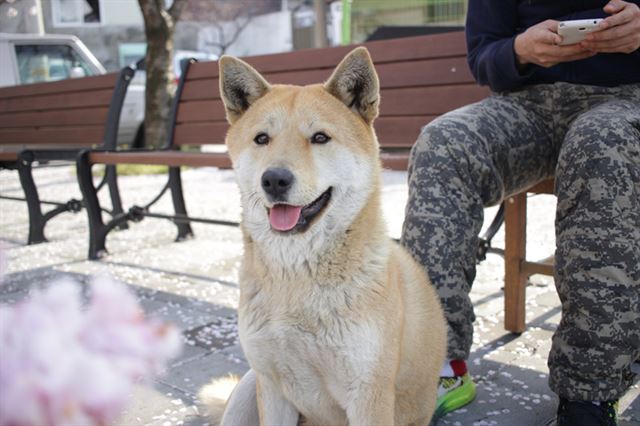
(26,159)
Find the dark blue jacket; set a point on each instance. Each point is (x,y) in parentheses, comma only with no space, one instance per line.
(493,24)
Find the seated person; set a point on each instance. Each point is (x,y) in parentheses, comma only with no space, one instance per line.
(570,112)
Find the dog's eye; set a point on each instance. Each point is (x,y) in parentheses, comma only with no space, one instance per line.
(320,137)
(261,139)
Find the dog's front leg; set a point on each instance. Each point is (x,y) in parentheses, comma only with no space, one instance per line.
(371,405)
(242,406)
(273,407)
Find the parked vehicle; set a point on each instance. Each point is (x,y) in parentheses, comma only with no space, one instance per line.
(33,58)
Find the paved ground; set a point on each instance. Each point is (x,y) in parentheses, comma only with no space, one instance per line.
(194,284)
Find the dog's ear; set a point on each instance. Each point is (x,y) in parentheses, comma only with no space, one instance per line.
(240,86)
(355,83)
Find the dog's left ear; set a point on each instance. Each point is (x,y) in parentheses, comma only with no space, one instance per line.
(355,83)
(240,86)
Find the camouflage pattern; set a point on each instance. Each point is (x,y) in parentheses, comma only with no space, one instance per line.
(589,138)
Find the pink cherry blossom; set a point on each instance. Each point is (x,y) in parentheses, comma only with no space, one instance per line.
(63,362)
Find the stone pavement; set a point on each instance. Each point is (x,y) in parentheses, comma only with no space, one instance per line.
(194,285)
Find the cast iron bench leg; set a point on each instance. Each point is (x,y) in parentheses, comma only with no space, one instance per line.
(36,218)
(179,206)
(114,192)
(97,229)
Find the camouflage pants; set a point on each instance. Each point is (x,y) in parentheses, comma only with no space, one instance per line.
(589,139)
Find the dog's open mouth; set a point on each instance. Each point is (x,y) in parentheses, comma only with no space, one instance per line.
(288,218)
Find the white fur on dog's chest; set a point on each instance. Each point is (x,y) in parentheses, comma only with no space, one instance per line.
(314,353)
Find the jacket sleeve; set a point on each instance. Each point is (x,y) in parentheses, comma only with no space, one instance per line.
(491,28)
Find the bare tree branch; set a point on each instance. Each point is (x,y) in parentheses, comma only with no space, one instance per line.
(229,22)
(176,9)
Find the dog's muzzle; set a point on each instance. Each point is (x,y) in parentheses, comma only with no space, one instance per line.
(287,218)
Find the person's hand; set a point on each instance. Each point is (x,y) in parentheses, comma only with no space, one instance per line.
(619,33)
(539,45)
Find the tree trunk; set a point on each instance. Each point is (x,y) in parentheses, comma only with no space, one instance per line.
(160,86)
(320,25)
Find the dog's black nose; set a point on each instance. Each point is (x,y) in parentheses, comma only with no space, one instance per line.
(276,182)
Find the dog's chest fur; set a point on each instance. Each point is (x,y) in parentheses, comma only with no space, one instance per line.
(302,335)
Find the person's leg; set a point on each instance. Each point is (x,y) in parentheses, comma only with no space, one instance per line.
(598,252)
(465,160)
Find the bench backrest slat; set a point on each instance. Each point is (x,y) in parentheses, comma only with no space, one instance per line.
(64,117)
(106,81)
(394,50)
(69,113)
(420,79)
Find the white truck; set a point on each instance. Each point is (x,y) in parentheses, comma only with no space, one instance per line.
(33,58)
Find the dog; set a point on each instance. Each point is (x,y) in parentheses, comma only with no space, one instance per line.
(339,324)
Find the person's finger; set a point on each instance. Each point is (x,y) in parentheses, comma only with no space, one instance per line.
(610,34)
(605,44)
(630,14)
(614,6)
(548,32)
(628,34)
(624,16)
(548,38)
(566,51)
(550,24)
(622,45)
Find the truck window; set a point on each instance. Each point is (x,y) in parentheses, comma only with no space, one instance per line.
(48,62)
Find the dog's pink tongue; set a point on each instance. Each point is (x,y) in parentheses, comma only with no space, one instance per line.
(284,217)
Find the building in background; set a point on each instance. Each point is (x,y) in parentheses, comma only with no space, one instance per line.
(105,26)
(21,16)
(114,30)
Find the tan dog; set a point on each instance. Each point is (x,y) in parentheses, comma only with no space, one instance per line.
(338,323)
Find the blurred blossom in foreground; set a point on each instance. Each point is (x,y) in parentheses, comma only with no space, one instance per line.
(66,363)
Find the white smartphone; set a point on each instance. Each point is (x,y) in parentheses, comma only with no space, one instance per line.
(573,32)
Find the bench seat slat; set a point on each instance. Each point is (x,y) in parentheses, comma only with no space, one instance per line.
(8,155)
(544,187)
(395,160)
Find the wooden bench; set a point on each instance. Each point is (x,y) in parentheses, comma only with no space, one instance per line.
(51,122)
(420,78)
